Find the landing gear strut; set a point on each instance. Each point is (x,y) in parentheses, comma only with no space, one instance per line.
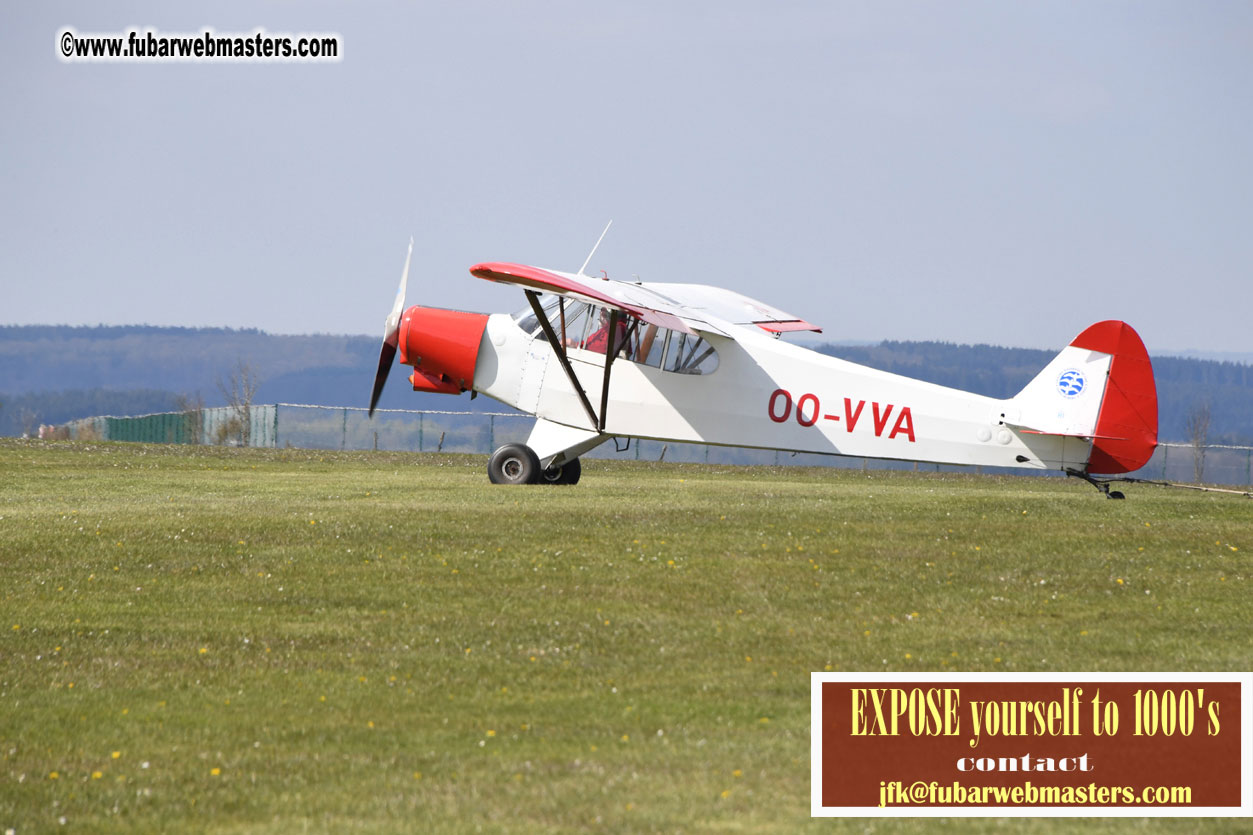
(518,464)
(1101,484)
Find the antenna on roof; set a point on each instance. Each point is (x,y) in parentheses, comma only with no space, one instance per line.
(593,252)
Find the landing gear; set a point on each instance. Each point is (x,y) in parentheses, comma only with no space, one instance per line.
(518,464)
(1101,484)
(567,473)
(513,464)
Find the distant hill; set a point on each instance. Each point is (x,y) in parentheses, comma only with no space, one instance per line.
(52,374)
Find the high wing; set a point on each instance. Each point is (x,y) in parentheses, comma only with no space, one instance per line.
(683,307)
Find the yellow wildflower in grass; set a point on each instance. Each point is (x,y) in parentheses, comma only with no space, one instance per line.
(216,772)
(203,650)
(116,754)
(96,775)
(737,773)
(53,775)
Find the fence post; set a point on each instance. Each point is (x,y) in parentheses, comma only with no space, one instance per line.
(276,426)
(343,438)
(421,422)
(491,435)
(1165,455)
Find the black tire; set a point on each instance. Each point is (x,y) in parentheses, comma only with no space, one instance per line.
(513,464)
(567,473)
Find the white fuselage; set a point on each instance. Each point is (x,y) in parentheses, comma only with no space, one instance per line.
(767,393)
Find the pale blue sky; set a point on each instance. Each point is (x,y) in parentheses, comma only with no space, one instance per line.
(971,172)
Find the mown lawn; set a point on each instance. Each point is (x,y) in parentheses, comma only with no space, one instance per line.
(199,639)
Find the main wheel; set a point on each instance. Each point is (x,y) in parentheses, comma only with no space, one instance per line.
(513,464)
(567,473)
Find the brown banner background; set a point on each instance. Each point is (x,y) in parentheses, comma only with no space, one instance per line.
(853,766)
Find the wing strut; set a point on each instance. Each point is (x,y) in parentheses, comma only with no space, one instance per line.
(560,350)
(611,350)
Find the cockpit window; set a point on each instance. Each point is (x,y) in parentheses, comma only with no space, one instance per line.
(689,354)
(526,316)
(580,325)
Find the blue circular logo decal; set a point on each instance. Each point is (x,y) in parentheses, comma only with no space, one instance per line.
(1071,382)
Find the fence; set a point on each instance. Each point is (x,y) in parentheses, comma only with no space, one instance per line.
(350,428)
(252,426)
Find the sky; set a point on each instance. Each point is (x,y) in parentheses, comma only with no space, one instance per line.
(972,172)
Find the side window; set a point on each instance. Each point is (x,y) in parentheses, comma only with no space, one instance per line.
(571,322)
(585,326)
(569,319)
(689,354)
(649,345)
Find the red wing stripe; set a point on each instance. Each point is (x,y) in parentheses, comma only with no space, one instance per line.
(785,327)
(541,279)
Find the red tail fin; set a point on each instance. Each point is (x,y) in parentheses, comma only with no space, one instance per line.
(1126,428)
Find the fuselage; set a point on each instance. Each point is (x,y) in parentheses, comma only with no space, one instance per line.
(757,391)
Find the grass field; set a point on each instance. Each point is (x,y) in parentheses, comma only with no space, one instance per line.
(198,639)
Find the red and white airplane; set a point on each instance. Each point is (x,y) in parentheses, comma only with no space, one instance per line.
(595,358)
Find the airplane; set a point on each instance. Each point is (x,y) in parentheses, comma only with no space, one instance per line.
(595,358)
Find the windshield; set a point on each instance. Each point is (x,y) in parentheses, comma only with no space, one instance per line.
(580,325)
(526,316)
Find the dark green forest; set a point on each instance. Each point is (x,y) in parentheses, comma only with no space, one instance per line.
(53,374)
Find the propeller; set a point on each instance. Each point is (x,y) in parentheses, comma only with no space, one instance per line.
(391,334)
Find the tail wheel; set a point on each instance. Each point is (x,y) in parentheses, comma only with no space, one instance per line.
(567,473)
(513,464)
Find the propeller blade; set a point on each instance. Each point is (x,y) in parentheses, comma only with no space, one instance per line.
(392,326)
(386,355)
(391,334)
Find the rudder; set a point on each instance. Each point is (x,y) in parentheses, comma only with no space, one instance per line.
(1126,426)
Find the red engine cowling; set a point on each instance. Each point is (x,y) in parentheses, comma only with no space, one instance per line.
(442,346)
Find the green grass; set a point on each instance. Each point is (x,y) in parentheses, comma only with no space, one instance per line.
(198,639)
